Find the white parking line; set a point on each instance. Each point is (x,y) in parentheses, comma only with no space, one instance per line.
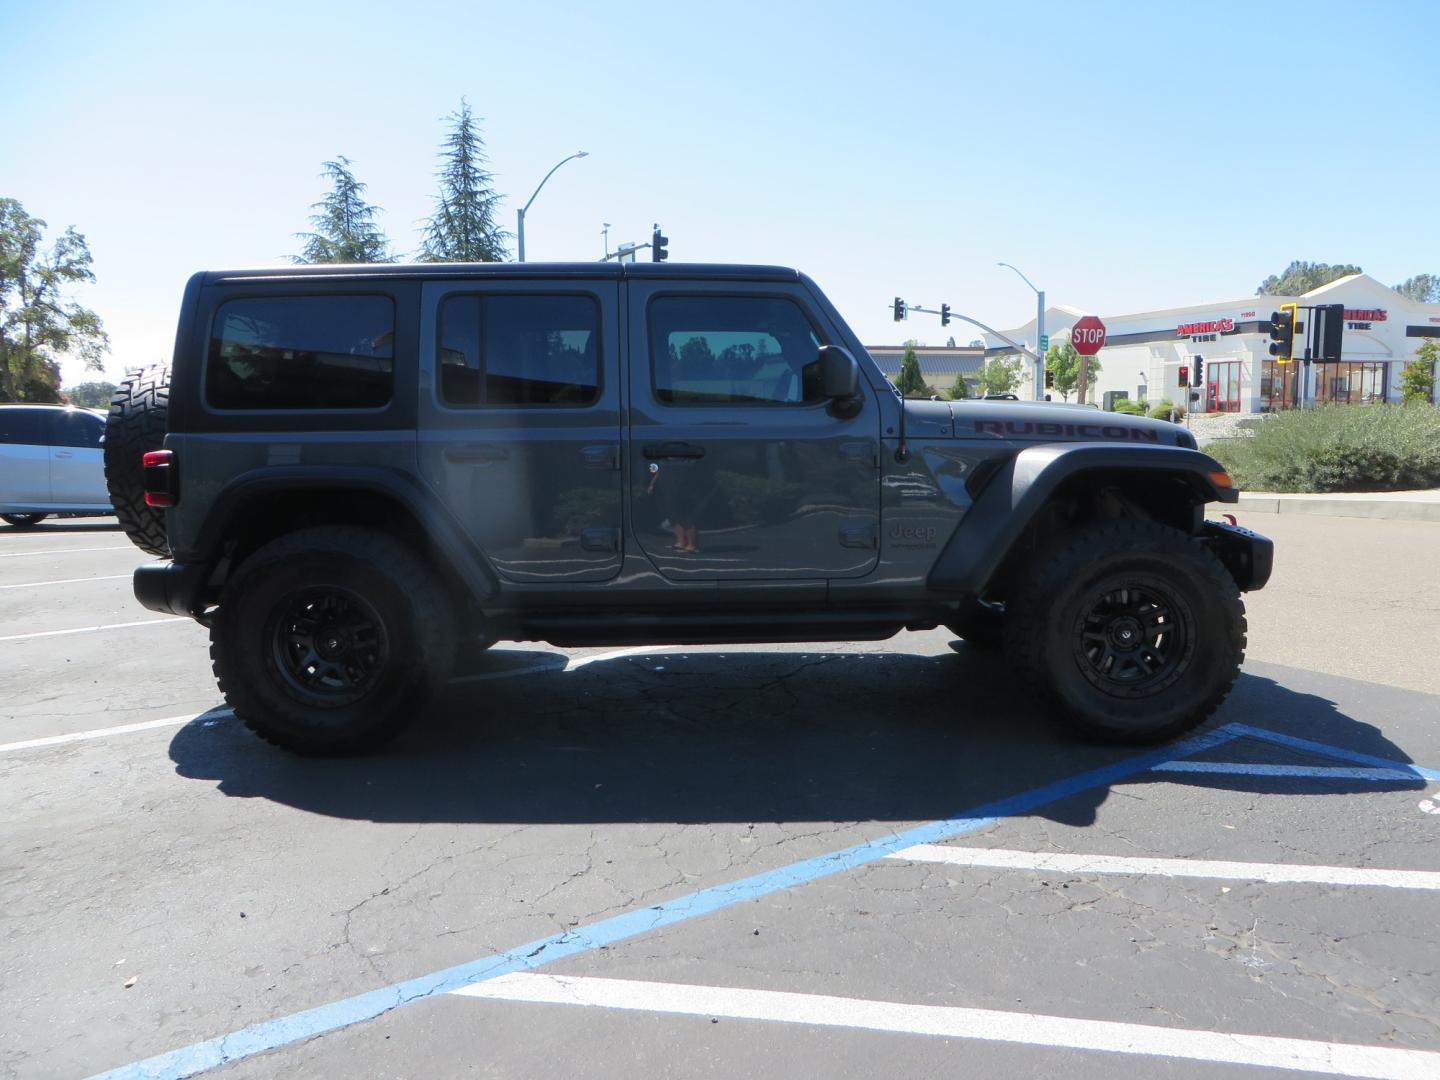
(991,1025)
(65,581)
(1200,868)
(60,551)
(102,733)
(92,629)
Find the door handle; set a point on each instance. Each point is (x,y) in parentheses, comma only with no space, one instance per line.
(477,454)
(662,451)
(601,456)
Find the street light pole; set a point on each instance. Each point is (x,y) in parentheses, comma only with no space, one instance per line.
(520,214)
(1039,332)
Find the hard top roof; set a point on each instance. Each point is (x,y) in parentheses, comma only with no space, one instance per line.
(712,271)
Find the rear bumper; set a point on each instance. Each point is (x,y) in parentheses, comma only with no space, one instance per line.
(171,587)
(1247,555)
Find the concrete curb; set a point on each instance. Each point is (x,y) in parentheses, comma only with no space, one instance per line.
(1397,506)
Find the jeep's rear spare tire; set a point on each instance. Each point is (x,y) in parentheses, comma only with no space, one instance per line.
(136,424)
(327,641)
(1129,631)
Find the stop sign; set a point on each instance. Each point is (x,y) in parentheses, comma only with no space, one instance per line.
(1088,335)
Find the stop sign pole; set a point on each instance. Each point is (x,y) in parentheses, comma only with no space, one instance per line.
(1088,337)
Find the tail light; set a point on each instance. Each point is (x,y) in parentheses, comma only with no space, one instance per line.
(162,479)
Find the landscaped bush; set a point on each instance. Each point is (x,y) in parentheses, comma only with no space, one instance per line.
(1338,448)
(1133,408)
(1162,409)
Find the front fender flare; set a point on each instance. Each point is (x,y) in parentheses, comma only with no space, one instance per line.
(1019,490)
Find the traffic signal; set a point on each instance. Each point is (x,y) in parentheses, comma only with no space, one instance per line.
(1329,330)
(900,309)
(1184,375)
(1282,333)
(1049,379)
(944,314)
(1197,374)
(658,240)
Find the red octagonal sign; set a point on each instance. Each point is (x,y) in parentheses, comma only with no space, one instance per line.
(1088,335)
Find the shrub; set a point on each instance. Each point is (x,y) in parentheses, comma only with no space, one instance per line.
(1161,410)
(1338,448)
(1133,408)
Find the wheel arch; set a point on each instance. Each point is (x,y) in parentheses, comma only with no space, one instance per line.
(1048,487)
(264,504)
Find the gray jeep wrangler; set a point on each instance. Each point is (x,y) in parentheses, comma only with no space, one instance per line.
(358,472)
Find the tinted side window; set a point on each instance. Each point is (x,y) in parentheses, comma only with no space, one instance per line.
(302,352)
(732,350)
(506,350)
(75,428)
(21,425)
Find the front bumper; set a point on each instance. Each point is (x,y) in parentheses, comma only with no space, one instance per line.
(171,587)
(1247,555)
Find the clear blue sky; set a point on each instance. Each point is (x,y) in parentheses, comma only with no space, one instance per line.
(1125,157)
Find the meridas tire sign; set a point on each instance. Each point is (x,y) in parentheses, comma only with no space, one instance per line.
(1088,335)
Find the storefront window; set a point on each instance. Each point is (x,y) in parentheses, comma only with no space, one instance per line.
(1222,386)
(1334,384)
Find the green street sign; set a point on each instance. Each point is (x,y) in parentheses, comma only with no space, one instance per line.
(1044,342)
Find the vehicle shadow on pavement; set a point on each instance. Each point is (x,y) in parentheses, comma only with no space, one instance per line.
(760,736)
(62,528)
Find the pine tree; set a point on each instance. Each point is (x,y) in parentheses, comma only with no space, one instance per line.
(345,229)
(463,227)
(911,380)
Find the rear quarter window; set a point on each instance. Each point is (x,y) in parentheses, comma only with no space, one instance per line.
(301,352)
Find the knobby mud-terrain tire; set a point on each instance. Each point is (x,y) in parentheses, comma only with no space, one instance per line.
(24,521)
(1129,631)
(139,412)
(328,641)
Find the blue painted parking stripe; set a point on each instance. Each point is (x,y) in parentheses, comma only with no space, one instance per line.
(283,1031)
(1307,745)
(1307,772)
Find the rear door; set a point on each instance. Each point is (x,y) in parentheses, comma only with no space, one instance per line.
(740,470)
(77,464)
(519,422)
(25,455)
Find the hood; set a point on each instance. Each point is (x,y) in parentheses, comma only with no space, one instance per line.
(1037,421)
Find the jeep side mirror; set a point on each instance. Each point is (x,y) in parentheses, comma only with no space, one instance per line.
(839,373)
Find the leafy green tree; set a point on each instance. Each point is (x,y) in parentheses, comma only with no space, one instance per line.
(463,227)
(999,375)
(1063,363)
(960,389)
(911,380)
(1300,277)
(91,395)
(1417,379)
(1422,288)
(345,229)
(38,324)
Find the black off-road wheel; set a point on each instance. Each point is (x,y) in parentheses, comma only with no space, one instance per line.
(1129,631)
(24,521)
(328,641)
(139,412)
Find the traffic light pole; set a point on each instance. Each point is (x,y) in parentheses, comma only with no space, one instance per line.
(988,329)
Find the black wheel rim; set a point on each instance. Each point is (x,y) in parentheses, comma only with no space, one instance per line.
(329,644)
(1133,639)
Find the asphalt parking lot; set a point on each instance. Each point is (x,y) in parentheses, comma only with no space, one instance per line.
(838,860)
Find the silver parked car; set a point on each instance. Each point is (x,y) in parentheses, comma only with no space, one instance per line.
(51,462)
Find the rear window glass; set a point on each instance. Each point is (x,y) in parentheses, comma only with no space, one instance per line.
(302,352)
(507,350)
(22,425)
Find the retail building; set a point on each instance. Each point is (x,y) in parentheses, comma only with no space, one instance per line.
(1145,351)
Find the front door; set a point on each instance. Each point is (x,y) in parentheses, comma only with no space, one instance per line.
(738,468)
(519,427)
